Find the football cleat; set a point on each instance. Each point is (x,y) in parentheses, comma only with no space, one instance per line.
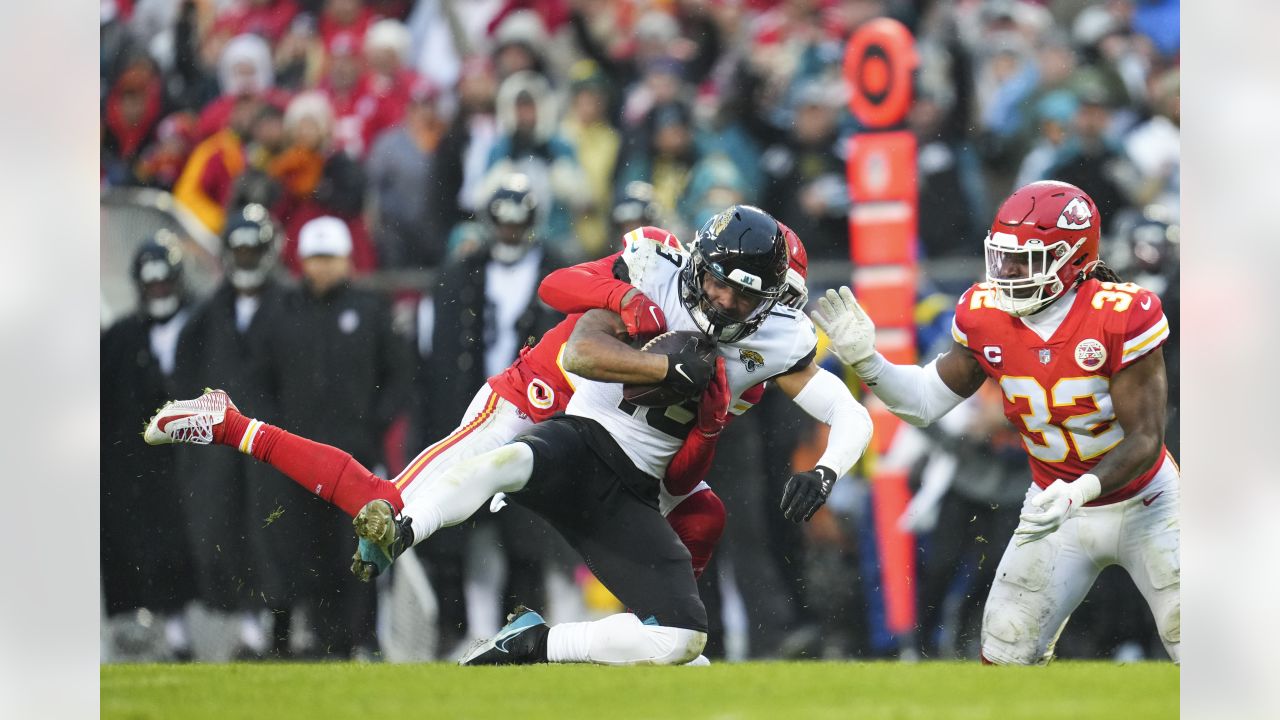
(188,421)
(522,641)
(380,539)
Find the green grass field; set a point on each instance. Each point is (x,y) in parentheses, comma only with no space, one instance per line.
(862,691)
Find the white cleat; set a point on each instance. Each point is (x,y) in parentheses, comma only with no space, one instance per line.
(188,421)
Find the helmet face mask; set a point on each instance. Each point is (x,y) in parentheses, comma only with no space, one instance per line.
(1043,242)
(250,248)
(157,273)
(740,257)
(511,215)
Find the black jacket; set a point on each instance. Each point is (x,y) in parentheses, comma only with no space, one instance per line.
(145,557)
(455,370)
(334,369)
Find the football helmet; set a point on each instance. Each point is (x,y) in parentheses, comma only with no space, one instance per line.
(157,273)
(511,213)
(742,248)
(634,208)
(1042,243)
(796,292)
(249,247)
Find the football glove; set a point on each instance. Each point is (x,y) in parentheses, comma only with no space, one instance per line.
(688,373)
(1057,502)
(852,334)
(713,408)
(806,492)
(644,319)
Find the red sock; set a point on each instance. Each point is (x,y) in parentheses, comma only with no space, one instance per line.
(322,469)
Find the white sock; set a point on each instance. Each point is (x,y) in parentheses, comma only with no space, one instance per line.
(700,661)
(623,640)
(458,491)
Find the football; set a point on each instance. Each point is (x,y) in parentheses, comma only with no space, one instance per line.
(673,341)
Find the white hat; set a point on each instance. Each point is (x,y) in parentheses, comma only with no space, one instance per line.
(324,236)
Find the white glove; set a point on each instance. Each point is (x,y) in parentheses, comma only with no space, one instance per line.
(853,335)
(1058,502)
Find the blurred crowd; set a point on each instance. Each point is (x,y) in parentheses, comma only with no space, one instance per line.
(490,141)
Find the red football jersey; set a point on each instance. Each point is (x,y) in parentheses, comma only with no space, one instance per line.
(1057,392)
(535,382)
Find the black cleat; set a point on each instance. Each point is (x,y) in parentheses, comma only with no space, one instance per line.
(522,641)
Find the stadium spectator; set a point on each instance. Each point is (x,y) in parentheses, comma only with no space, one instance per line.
(595,143)
(805,175)
(205,185)
(529,144)
(318,180)
(404,221)
(327,329)
(244,70)
(161,163)
(134,107)
(1091,158)
(662,153)
(1155,146)
(137,363)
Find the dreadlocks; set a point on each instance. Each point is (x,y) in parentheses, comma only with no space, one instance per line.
(1104,273)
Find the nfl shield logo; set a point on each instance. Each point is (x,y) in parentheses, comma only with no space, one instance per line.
(1044,356)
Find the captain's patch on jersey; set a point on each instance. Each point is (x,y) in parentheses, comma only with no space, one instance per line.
(1090,354)
(750,359)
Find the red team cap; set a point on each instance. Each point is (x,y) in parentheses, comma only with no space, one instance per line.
(1043,242)
(796,292)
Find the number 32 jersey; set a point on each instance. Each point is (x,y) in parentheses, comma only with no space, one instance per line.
(784,342)
(1057,392)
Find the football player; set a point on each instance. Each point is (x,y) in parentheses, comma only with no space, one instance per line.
(1076,354)
(531,389)
(594,473)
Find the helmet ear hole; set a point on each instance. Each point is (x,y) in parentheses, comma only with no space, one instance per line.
(1079,261)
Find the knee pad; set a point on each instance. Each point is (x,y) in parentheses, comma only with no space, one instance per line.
(1010,638)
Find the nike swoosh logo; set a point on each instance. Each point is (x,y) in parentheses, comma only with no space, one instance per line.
(1148,501)
(680,369)
(165,422)
(654,312)
(1146,304)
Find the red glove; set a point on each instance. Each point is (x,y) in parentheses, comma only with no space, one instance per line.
(643,319)
(713,408)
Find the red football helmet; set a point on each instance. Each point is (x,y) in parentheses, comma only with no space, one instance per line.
(1043,242)
(796,292)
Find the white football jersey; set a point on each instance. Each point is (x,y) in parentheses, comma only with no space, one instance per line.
(651,436)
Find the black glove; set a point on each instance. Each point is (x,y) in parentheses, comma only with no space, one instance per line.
(806,492)
(688,372)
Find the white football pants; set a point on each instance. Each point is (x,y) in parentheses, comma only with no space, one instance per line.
(1038,585)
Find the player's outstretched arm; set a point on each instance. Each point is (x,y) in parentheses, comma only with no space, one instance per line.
(596,350)
(827,400)
(918,395)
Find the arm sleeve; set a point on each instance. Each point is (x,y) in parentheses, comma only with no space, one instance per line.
(915,394)
(690,464)
(583,287)
(827,400)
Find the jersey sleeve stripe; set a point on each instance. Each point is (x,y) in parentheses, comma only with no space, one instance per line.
(560,364)
(958,334)
(1142,344)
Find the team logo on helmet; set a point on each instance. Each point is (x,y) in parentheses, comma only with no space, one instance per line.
(1076,215)
(540,394)
(718,225)
(751,359)
(1090,354)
